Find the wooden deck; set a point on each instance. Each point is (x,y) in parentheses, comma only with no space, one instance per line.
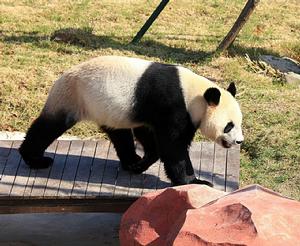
(86,176)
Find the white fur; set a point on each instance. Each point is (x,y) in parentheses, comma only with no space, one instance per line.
(212,119)
(108,94)
(102,90)
(193,87)
(217,117)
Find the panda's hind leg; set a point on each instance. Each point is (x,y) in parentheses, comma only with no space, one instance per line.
(122,140)
(43,131)
(147,139)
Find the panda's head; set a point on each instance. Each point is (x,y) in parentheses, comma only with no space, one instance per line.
(222,121)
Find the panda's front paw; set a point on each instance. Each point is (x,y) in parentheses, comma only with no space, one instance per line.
(137,169)
(130,163)
(199,181)
(143,164)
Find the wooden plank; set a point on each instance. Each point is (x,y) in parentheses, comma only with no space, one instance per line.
(40,181)
(20,182)
(163,180)
(62,205)
(110,174)
(98,167)
(122,182)
(69,173)
(151,178)
(84,168)
(57,168)
(10,170)
(5,148)
(219,168)
(207,161)
(136,180)
(233,168)
(195,156)
(97,172)
(29,183)
(135,185)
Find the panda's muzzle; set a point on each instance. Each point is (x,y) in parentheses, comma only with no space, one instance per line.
(225,144)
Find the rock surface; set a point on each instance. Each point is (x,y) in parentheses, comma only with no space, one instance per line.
(292,78)
(283,64)
(200,215)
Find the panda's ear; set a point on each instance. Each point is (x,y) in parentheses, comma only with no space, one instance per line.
(232,89)
(212,96)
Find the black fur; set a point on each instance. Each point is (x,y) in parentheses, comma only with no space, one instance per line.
(43,131)
(232,89)
(228,127)
(212,96)
(159,102)
(147,139)
(122,140)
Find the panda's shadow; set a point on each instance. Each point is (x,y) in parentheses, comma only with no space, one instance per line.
(67,171)
(71,171)
(86,39)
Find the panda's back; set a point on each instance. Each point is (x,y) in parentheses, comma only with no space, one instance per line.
(100,89)
(123,92)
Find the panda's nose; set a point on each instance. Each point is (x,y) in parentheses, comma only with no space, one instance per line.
(238,142)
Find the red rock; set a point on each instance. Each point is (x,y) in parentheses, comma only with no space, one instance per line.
(200,215)
(150,217)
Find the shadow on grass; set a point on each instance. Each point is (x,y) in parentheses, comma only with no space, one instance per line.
(23,37)
(254,52)
(84,38)
(252,148)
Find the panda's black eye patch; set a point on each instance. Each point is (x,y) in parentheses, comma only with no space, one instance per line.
(228,127)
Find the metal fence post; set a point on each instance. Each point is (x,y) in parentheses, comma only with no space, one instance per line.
(149,22)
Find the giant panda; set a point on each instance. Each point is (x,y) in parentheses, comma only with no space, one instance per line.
(161,105)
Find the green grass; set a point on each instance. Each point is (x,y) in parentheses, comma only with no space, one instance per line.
(187,32)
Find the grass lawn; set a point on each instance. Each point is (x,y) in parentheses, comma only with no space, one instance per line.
(187,32)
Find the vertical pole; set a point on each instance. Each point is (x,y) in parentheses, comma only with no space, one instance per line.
(149,22)
(239,23)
